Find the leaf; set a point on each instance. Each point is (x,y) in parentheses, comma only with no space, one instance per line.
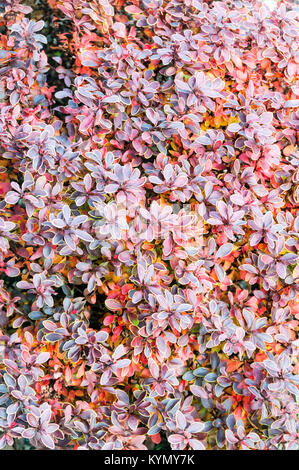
(224,250)
(196,444)
(133,9)
(161,345)
(12,197)
(234,127)
(181,420)
(195,427)
(47,441)
(84,235)
(42,357)
(12,271)
(113,304)
(198,391)
(86,123)
(233,365)
(52,337)
(24,285)
(230,437)
(175,438)
(291,104)
(123,363)
(153,367)
(119,352)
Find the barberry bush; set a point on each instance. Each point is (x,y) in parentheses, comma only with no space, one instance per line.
(149,224)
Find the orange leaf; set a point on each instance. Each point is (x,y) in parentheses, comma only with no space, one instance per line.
(233,365)
(156,438)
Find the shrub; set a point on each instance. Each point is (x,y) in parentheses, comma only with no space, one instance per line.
(148,225)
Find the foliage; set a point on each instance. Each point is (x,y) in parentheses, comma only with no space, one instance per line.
(148,225)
